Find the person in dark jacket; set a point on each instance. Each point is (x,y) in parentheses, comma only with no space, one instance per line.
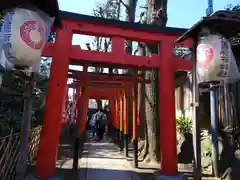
(101,119)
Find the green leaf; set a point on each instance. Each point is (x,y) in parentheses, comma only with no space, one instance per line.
(184,124)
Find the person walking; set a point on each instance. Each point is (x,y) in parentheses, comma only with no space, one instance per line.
(93,124)
(101,120)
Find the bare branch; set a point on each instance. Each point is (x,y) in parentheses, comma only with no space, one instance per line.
(88,46)
(123,4)
(135,52)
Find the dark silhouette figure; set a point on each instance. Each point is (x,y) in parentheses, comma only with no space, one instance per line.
(186,154)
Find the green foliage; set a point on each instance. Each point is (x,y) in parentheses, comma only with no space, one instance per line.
(184,124)
(207,149)
(1,17)
(11,101)
(234,8)
(10,121)
(235,40)
(108,10)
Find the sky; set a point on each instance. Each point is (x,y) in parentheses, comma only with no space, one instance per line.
(181,13)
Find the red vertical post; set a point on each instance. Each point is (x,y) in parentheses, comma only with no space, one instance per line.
(117,114)
(116,117)
(111,123)
(134,107)
(167,111)
(83,111)
(121,125)
(113,109)
(65,107)
(83,102)
(120,112)
(47,154)
(125,120)
(77,102)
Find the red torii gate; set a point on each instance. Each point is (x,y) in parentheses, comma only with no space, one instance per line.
(62,52)
(114,92)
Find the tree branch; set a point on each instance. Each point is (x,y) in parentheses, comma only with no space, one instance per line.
(123,4)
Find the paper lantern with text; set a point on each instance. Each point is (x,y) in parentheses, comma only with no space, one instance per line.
(23,36)
(215,60)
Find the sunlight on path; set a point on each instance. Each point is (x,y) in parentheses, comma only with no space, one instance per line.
(103,161)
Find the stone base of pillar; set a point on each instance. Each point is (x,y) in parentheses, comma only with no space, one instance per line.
(33,177)
(177,177)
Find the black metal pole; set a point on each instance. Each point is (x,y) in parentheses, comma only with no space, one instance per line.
(76,154)
(121,143)
(117,132)
(26,126)
(76,145)
(126,145)
(135,153)
(196,123)
(214,129)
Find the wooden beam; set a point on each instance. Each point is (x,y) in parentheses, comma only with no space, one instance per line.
(107,78)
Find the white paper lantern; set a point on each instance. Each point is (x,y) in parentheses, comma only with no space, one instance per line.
(25,34)
(215,60)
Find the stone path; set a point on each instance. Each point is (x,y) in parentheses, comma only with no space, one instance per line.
(102,161)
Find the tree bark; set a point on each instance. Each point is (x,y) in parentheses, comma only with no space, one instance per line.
(156,14)
(143,144)
(130,17)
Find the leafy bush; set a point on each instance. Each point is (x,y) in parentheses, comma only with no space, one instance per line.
(207,149)
(184,124)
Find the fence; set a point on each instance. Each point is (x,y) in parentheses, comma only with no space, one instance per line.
(9,152)
(228,104)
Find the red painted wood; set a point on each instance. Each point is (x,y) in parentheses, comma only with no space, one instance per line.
(83,110)
(62,51)
(101,92)
(107,79)
(167,114)
(65,117)
(46,159)
(118,45)
(117,55)
(114,111)
(124,59)
(89,28)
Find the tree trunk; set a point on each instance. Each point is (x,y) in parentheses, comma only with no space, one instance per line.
(143,144)
(157,14)
(130,17)
(151,116)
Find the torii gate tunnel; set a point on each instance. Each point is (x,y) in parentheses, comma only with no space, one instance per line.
(63,54)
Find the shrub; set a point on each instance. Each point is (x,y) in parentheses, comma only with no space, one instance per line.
(184,124)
